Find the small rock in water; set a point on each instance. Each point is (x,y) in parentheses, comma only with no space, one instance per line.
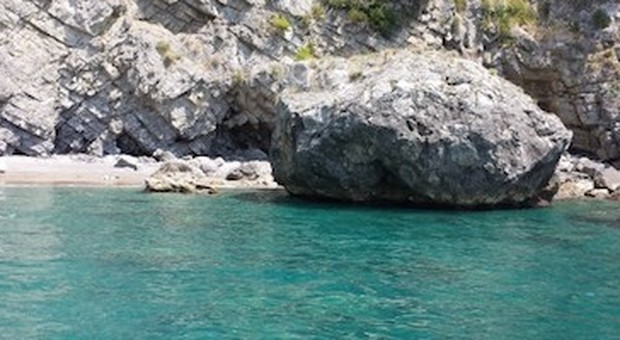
(2,166)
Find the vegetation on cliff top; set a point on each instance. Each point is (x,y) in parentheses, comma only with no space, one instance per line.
(503,15)
(377,13)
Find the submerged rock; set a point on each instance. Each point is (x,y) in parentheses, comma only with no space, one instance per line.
(422,128)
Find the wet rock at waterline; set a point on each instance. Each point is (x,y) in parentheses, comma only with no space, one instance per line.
(423,128)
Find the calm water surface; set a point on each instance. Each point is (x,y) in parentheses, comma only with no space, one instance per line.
(120,264)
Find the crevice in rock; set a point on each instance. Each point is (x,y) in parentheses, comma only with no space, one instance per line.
(18,152)
(44,33)
(128,145)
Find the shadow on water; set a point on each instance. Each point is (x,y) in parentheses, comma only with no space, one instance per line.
(281,197)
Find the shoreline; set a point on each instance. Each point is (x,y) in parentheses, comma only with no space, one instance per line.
(123,171)
(93,172)
(71,170)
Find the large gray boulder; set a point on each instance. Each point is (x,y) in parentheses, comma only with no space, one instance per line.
(425,128)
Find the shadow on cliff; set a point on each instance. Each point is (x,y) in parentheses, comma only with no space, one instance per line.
(176,16)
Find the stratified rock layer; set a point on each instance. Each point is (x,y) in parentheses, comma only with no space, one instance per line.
(133,76)
(423,128)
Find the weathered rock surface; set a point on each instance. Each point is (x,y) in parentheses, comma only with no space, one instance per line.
(179,176)
(205,175)
(133,76)
(580,177)
(571,65)
(425,128)
(608,178)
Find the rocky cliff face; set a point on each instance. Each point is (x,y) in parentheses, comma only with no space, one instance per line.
(203,76)
(570,62)
(132,76)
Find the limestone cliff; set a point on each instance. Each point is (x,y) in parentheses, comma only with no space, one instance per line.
(203,76)
(570,62)
(132,76)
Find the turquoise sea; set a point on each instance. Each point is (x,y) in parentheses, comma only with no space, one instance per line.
(121,264)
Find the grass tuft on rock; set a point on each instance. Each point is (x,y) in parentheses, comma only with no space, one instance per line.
(318,11)
(280,23)
(166,53)
(460,6)
(305,52)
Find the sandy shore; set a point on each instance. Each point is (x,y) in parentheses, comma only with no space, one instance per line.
(82,170)
(71,170)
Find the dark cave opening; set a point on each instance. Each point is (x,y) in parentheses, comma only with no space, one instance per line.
(127,145)
(245,141)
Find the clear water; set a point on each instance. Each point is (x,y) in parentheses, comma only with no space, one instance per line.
(120,264)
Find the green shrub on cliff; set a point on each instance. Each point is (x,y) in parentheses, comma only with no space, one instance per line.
(503,15)
(377,13)
(600,19)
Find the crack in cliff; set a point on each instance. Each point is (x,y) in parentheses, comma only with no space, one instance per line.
(45,33)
